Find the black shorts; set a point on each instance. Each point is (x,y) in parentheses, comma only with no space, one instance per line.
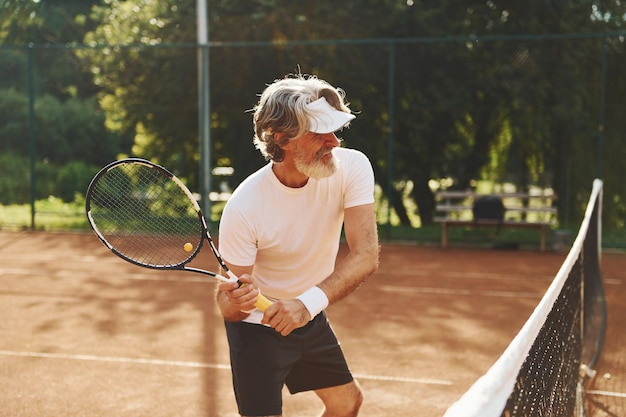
(263,361)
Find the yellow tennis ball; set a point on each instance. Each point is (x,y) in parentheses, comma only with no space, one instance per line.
(188,247)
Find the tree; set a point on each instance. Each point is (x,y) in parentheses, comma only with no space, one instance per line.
(52,23)
(68,124)
(483,91)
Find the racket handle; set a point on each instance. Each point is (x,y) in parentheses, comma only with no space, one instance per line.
(262,302)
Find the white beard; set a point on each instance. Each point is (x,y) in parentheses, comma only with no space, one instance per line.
(316,168)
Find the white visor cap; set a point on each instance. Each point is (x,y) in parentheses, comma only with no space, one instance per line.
(325,118)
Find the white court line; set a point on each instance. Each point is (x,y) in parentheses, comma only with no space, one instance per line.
(481,275)
(606,393)
(113,359)
(454,291)
(485,275)
(148,276)
(187,364)
(403,379)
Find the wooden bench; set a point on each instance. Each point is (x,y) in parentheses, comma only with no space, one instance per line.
(521,210)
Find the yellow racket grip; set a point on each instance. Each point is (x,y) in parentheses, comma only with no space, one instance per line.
(262,302)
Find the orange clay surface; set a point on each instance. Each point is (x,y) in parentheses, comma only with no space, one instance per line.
(84,333)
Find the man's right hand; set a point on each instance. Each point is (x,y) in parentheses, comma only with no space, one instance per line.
(236,302)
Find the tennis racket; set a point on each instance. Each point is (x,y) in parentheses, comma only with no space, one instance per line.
(146,216)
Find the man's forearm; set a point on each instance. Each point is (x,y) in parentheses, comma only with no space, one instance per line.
(362,258)
(349,274)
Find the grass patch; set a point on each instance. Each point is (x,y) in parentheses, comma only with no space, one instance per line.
(506,238)
(52,214)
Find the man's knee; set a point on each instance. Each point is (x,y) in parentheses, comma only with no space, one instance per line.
(356,402)
(343,401)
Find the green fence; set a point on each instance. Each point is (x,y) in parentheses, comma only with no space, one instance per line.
(546,108)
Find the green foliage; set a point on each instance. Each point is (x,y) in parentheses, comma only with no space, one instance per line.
(507,106)
(45,21)
(63,181)
(69,124)
(51,214)
(13,71)
(13,122)
(73,130)
(64,131)
(14,179)
(74,178)
(139,87)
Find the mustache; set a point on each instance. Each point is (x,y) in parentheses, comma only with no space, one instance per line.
(323,152)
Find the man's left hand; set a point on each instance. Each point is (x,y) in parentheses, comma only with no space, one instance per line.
(285,316)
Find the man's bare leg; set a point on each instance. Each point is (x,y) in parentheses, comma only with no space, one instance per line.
(341,401)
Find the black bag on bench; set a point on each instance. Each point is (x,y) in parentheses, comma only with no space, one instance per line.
(488,207)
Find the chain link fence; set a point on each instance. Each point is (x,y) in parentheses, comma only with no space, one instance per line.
(67,110)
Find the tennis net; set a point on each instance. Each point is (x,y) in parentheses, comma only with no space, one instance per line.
(544,369)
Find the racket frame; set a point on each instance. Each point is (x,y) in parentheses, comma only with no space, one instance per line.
(262,302)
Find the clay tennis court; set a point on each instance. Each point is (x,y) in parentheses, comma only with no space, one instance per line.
(86,334)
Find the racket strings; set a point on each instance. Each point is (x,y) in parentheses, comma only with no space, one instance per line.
(145,216)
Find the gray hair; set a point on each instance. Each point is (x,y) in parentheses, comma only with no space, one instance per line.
(282,109)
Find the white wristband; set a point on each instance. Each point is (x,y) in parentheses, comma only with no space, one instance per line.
(315,300)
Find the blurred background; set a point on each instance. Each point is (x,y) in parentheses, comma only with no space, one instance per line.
(485,96)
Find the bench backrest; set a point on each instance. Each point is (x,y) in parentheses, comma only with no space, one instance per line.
(469,205)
